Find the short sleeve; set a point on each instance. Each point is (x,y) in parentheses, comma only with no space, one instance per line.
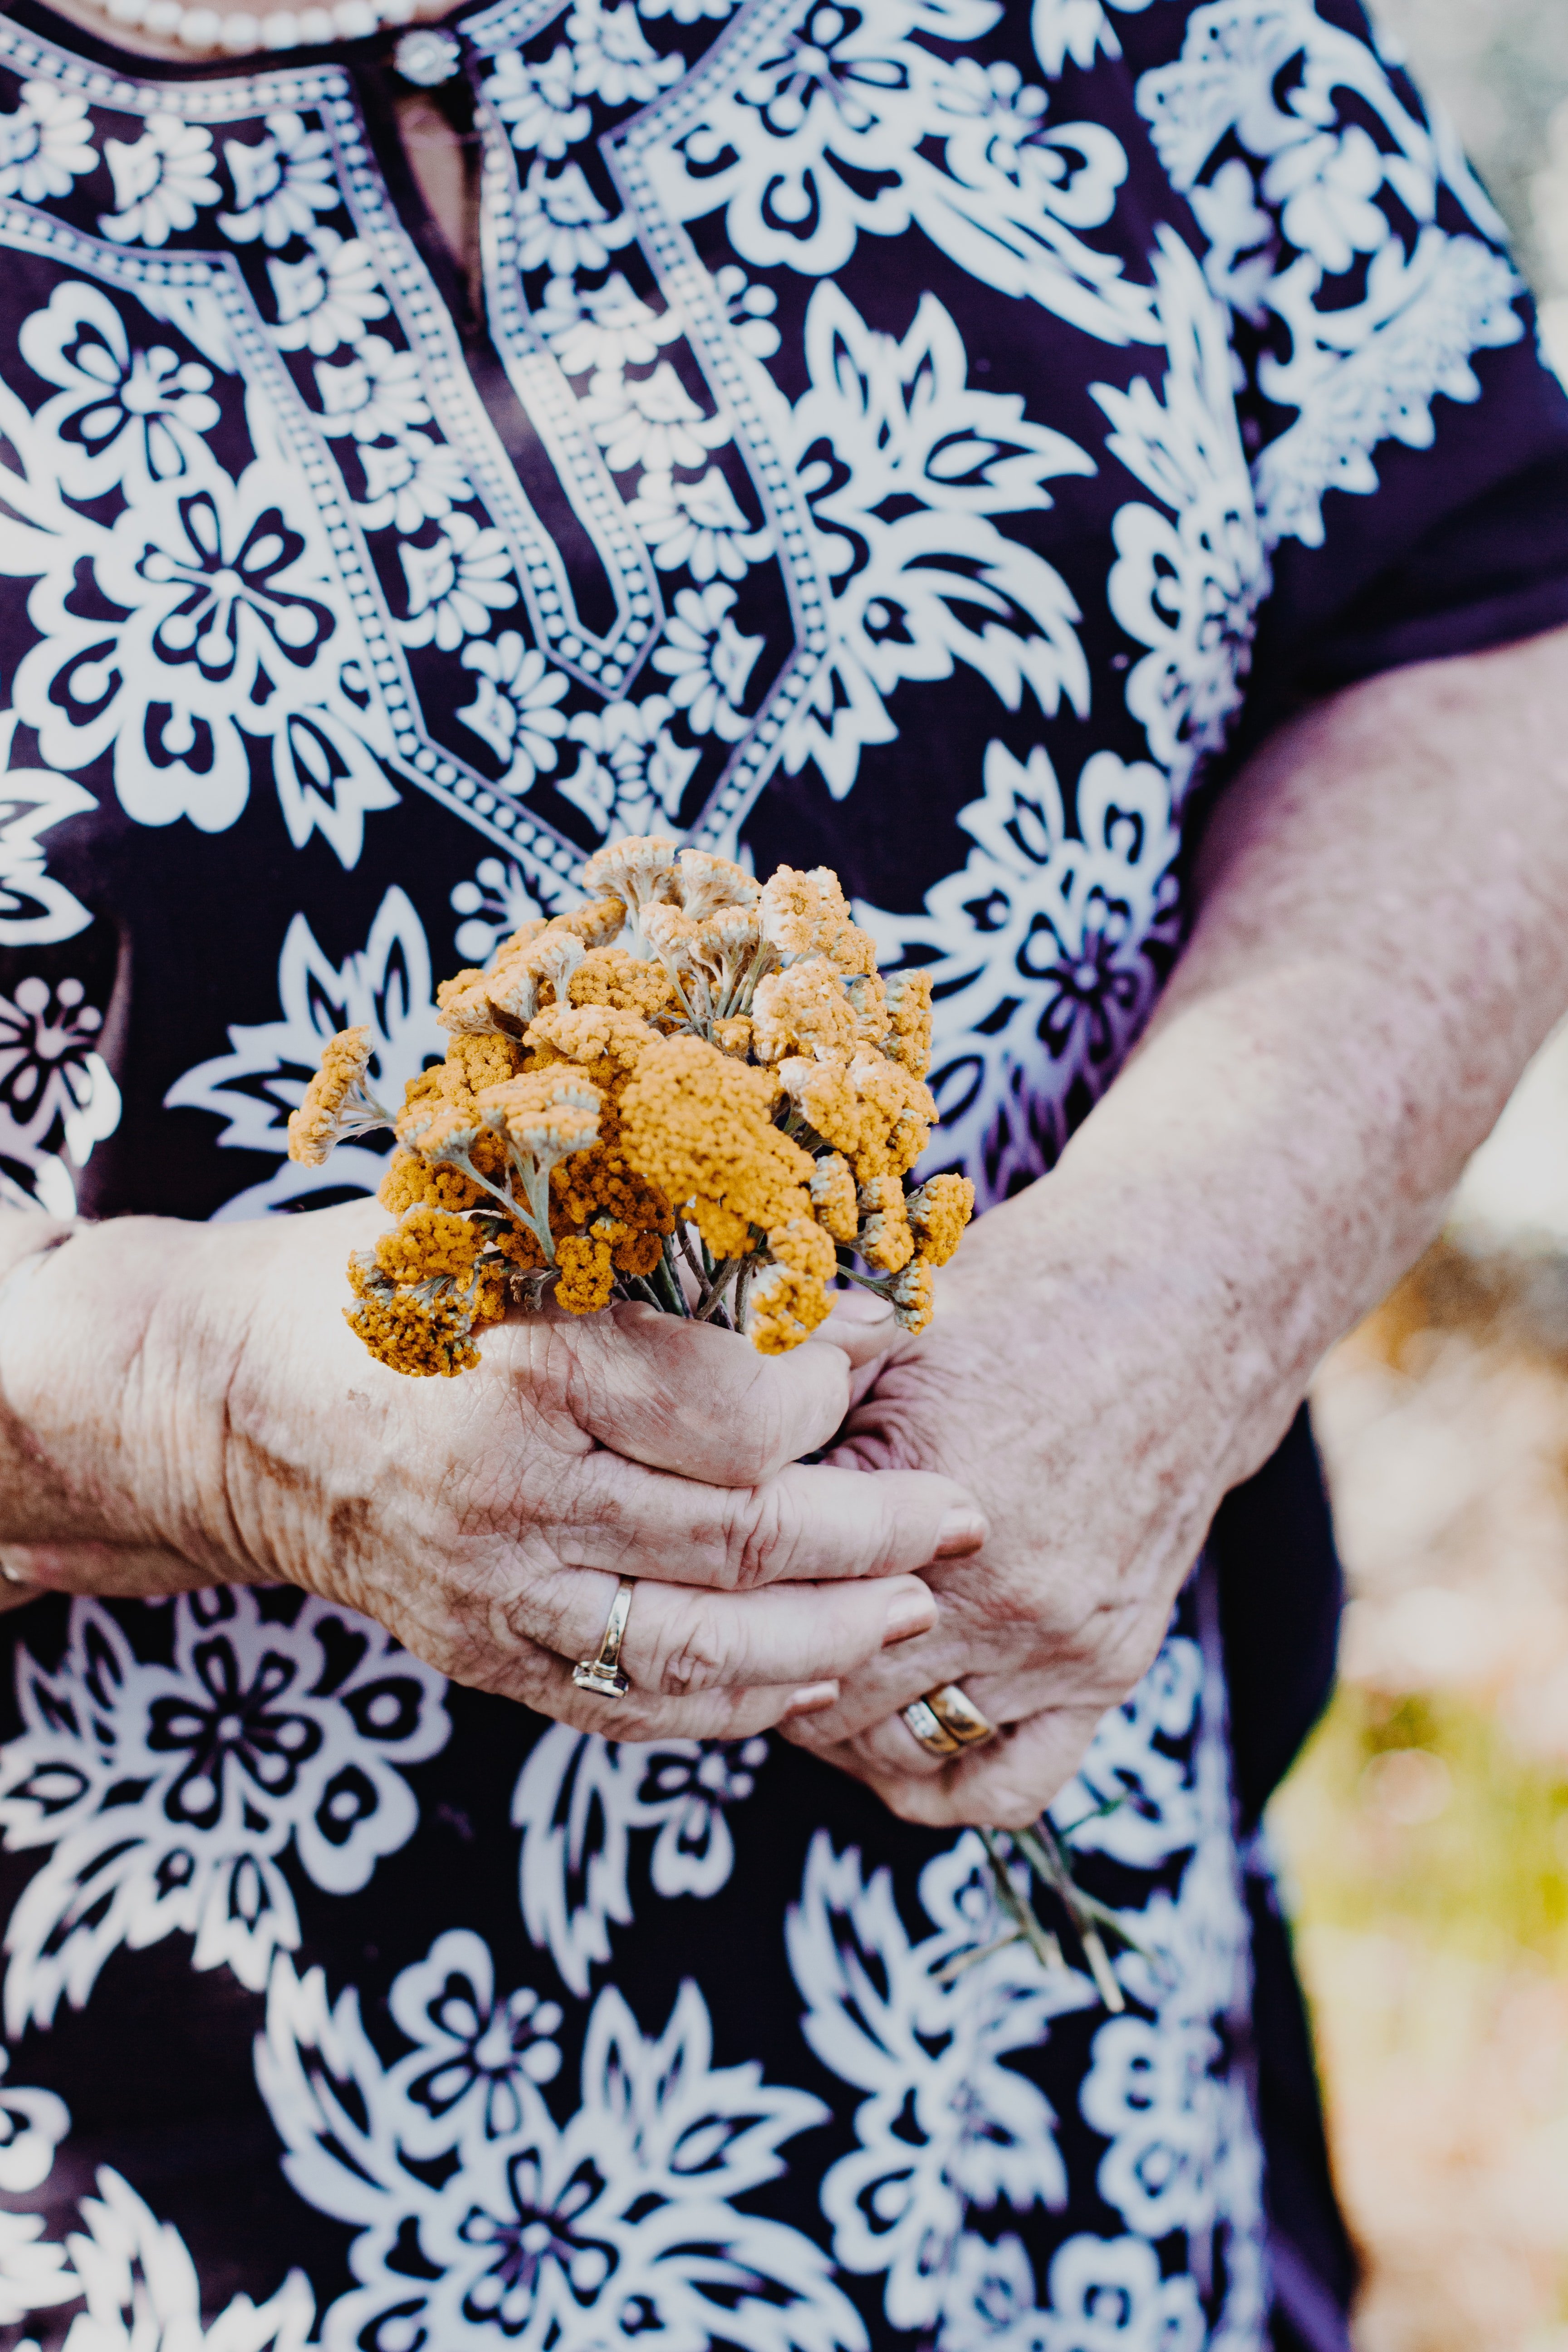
(1408,445)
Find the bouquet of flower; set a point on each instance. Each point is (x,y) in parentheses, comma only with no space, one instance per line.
(698,1091)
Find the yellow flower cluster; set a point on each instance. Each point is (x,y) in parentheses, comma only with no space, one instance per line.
(696,1090)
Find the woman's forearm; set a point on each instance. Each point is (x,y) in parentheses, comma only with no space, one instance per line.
(1382,942)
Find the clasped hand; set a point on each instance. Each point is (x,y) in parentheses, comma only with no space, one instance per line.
(999,1507)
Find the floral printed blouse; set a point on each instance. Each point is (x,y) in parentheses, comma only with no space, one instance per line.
(931,436)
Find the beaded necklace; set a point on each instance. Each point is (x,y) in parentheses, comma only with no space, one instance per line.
(425,56)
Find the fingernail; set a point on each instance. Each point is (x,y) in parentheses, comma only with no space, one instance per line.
(962,1530)
(811,1700)
(911,1612)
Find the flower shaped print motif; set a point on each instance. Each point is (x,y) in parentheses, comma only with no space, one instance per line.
(1104,2295)
(1140,1769)
(611,56)
(550,2237)
(684,12)
(633,774)
(208,617)
(35,2274)
(386,987)
(46,142)
(327,300)
(946,2123)
(1166,2089)
(904,468)
(1045,952)
(539,103)
(561,224)
(282,1729)
(707,662)
(56,1088)
(409,482)
(848,124)
(160,182)
(698,525)
(1187,588)
(1326,185)
(280,182)
(649,421)
(749,307)
(578,1800)
(1357,357)
(603,329)
(455,585)
(496,903)
(515,711)
(377,392)
(472,2053)
(122,415)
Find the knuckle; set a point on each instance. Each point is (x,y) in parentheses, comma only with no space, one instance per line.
(764,1528)
(696,1660)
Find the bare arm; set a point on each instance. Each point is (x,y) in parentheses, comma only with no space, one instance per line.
(1382,942)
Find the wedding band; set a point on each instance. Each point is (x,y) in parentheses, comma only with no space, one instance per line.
(603,1674)
(945,1721)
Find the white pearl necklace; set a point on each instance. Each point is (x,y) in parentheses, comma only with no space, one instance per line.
(203,30)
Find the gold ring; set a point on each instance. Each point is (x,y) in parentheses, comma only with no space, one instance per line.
(945,1721)
(603,1674)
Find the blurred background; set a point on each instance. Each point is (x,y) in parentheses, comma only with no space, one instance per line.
(1423,1835)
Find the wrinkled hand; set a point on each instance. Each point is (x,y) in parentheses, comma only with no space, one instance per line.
(195,1412)
(1061,1391)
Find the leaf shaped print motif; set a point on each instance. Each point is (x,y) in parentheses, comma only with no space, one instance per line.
(386,985)
(550,2237)
(165,1795)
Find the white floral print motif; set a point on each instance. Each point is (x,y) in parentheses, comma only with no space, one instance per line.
(545,2235)
(562,226)
(578,1800)
(707,661)
(161,180)
(516,710)
(896,425)
(280,182)
(219,622)
(456,584)
(946,2124)
(58,1094)
(1103,2295)
(1188,582)
(497,902)
(611,56)
(327,300)
(262,1737)
(1365,360)
(844,123)
(1039,951)
(46,142)
(633,774)
(471,2051)
(133,2272)
(387,986)
(1136,1795)
(1182,2153)
(539,103)
(35,907)
(697,525)
(124,417)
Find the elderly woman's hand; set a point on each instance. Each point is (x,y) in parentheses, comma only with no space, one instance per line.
(188,1407)
(1058,1381)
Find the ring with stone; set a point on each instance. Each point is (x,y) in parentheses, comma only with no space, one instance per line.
(603,1674)
(945,1721)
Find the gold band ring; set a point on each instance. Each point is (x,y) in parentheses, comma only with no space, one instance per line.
(945,1721)
(603,1674)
